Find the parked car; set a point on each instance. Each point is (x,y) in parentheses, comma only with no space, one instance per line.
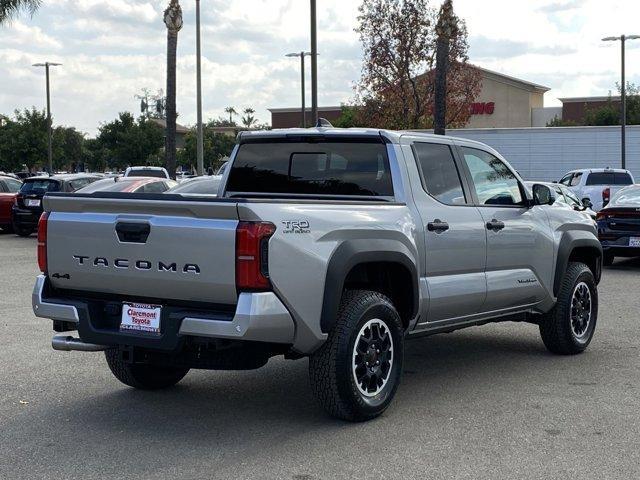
(597,184)
(207,185)
(130,185)
(9,188)
(146,172)
(332,244)
(23,175)
(560,196)
(28,205)
(619,225)
(222,169)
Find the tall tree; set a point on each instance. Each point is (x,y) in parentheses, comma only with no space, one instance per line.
(231,111)
(10,8)
(397,85)
(173,21)
(249,119)
(445,30)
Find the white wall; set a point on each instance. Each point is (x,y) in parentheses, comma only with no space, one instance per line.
(546,154)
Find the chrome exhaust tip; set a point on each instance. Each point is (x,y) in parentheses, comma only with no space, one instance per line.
(68,344)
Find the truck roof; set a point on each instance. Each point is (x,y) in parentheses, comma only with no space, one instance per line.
(392,136)
(599,170)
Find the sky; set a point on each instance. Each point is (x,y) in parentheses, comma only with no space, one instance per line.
(112,49)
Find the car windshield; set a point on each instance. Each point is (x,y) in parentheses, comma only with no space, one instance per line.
(571,197)
(147,173)
(40,186)
(627,196)
(206,186)
(111,186)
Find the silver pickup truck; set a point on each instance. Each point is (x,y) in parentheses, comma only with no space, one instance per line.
(336,245)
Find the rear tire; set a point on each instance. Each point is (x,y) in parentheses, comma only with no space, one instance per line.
(607,259)
(569,327)
(22,231)
(356,372)
(143,376)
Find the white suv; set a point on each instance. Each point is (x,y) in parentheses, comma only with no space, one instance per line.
(157,172)
(597,184)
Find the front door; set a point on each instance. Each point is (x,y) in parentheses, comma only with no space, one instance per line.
(519,241)
(455,238)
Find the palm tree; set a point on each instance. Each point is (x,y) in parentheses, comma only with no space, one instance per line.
(231,111)
(445,30)
(249,119)
(173,21)
(10,8)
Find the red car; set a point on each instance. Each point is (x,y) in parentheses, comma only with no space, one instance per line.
(9,188)
(130,185)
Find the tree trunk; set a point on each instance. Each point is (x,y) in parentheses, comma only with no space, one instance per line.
(170,141)
(440,87)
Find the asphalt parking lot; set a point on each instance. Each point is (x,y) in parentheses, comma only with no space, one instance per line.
(484,403)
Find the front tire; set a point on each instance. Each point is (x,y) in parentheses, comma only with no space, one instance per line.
(143,376)
(356,372)
(569,327)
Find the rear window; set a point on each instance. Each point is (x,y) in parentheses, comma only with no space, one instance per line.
(322,168)
(147,173)
(208,186)
(40,186)
(609,178)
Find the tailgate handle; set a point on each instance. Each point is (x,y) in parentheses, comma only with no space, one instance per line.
(133,232)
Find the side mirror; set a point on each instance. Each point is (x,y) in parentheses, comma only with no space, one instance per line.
(586,203)
(542,195)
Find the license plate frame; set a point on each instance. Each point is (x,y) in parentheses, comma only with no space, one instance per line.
(32,202)
(141,318)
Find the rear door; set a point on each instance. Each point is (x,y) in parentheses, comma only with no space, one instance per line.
(519,241)
(454,234)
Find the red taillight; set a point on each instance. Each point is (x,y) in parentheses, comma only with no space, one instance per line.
(606,196)
(601,215)
(42,242)
(252,255)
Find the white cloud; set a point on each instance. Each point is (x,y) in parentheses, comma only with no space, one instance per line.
(112,48)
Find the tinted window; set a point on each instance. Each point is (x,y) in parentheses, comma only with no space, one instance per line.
(79,183)
(609,178)
(566,180)
(622,179)
(323,168)
(495,184)
(208,186)
(439,173)
(12,185)
(147,173)
(40,186)
(575,180)
(155,187)
(100,185)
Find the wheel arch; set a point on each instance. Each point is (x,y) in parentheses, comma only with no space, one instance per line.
(578,246)
(382,265)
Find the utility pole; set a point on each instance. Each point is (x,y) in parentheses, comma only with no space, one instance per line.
(302,82)
(200,133)
(314,64)
(46,65)
(623,94)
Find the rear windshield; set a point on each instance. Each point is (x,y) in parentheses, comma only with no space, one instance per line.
(627,196)
(147,173)
(319,168)
(40,186)
(208,186)
(609,178)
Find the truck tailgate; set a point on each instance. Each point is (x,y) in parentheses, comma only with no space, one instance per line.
(137,247)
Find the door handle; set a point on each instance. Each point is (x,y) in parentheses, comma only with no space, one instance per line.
(133,232)
(495,225)
(437,226)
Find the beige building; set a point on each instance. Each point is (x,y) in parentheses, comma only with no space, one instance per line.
(503,102)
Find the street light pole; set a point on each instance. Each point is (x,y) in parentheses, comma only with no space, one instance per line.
(314,64)
(46,65)
(200,133)
(623,94)
(302,82)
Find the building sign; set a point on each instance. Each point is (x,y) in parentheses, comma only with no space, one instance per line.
(482,108)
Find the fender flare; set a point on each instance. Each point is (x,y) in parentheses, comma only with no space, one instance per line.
(571,240)
(351,253)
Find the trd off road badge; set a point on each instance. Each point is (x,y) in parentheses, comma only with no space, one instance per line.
(296,226)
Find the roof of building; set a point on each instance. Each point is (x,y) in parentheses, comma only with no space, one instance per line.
(589,99)
(509,79)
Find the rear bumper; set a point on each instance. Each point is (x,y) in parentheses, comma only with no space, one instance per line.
(26,218)
(259,317)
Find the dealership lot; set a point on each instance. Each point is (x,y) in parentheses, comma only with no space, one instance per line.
(487,402)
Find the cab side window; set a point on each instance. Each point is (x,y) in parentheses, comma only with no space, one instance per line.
(13,186)
(440,176)
(575,180)
(495,184)
(566,180)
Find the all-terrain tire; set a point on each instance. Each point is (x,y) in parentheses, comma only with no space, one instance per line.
(557,327)
(331,368)
(143,376)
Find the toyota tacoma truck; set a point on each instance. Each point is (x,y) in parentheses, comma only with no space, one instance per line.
(336,245)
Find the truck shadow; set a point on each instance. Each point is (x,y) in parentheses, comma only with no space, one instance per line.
(622,264)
